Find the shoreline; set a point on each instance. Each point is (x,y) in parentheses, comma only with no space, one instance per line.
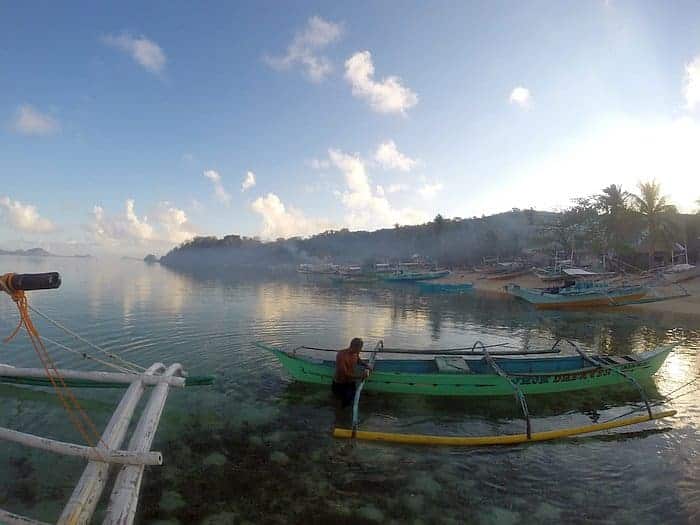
(686,306)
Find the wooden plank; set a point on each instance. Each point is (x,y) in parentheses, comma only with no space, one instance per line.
(87,492)
(99,377)
(9,518)
(124,457)
(124,499)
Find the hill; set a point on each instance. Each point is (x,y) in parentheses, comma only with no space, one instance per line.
(451,242)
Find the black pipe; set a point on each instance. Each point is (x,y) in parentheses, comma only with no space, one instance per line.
(35,281)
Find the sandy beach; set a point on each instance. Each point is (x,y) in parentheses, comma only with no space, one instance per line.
(685,306)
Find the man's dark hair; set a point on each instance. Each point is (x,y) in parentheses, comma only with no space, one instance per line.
(356,343)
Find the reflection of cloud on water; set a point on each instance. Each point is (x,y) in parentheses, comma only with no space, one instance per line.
(132,286)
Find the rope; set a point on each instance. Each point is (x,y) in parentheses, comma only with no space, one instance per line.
(409,350)
(79,418)
(68,331)
(89,357)
(667,398)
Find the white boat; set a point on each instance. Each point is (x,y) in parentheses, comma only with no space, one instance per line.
(681,272)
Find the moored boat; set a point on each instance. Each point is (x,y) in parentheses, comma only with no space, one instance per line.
(681,272)
(471,374)
(578,295)
(401,275)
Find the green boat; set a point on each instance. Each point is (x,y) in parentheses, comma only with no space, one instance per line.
(476,374)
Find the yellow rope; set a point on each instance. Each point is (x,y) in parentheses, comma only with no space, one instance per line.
(79,418)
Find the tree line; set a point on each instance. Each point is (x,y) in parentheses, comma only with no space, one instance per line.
(622,225)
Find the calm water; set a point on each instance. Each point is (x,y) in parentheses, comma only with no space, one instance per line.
(256,447)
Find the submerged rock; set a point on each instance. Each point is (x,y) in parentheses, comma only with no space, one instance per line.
(425,484)
(256,440)
(279,457)
(547,513)
(222,518)
(171,501)
(217,459)
(371,513)
(498,516)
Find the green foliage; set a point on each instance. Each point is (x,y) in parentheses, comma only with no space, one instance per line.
(659,218)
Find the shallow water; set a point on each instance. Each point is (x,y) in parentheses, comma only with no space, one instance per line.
(256,446)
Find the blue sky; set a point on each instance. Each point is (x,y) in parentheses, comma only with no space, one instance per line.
(128,128)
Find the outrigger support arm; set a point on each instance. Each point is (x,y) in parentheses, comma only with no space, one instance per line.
(597,362)
(519,396)
(356,401)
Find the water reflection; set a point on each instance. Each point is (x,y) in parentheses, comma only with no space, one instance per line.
(256,445)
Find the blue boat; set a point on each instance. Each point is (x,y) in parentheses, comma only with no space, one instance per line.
(578,295)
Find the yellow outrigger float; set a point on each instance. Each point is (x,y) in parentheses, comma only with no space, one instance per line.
(512,439)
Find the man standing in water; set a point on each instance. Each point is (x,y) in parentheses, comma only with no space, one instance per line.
(346,361)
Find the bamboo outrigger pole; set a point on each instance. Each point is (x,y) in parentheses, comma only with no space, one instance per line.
(511,439)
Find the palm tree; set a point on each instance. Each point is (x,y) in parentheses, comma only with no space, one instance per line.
(438,224)
(613,204)
(613,200)
(656,212)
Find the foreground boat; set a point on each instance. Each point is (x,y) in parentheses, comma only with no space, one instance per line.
(579,295)
(490,375)
(470,374)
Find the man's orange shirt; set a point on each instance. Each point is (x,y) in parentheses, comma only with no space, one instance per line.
(345,362)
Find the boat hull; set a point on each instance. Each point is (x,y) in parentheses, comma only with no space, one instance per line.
(415,377)
(589,299)
(424,276)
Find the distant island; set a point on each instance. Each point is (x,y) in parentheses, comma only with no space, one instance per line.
(38,252)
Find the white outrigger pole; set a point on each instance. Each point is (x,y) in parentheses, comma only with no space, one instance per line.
(107,452)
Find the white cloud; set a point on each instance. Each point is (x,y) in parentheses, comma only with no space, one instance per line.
(144,51)
(428,191)
(174,224)
(30,121)
(389,157)
(366,208)
(282,221)
(304,48)
(24,217)
(395,188)
(249,181)
(691,85)
(319,164)
(221,194)
(171,225)
(521,96)
(386,96)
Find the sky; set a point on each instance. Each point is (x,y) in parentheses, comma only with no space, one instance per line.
(129,128)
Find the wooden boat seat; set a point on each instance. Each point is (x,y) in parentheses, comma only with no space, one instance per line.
(452,365)
(615,360)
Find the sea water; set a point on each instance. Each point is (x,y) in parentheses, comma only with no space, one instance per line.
(256,446)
